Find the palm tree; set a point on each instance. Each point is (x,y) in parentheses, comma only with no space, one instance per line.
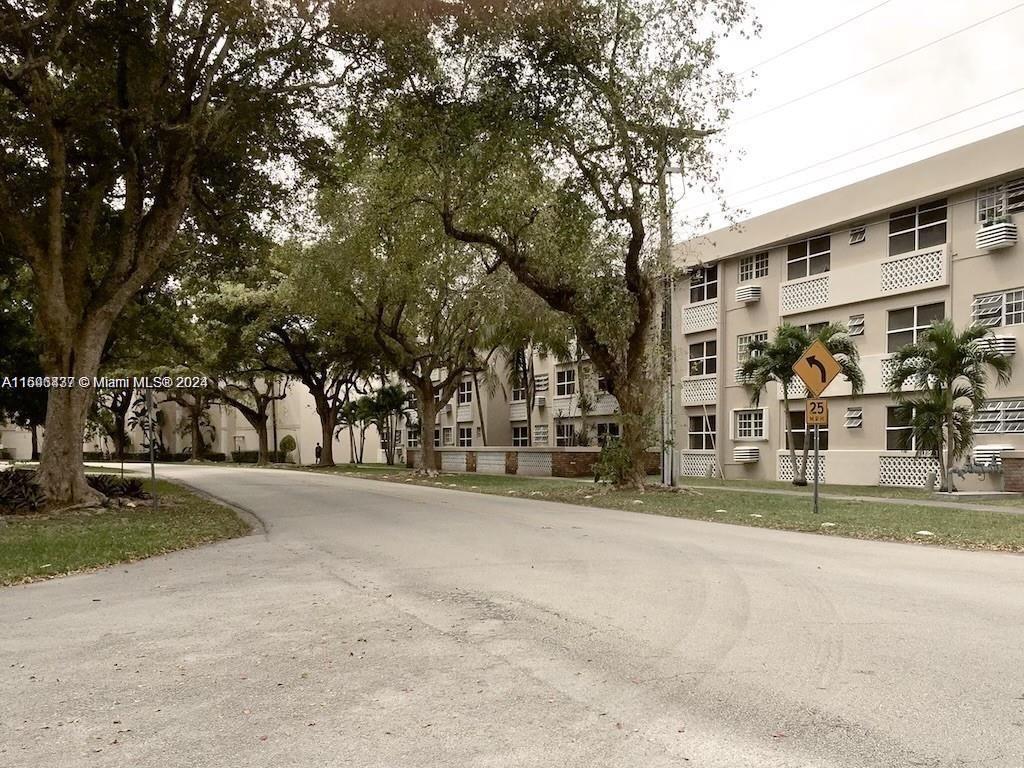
(773,361)
(950,369)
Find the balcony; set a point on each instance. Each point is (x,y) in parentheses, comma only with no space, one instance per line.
(700,390)
(702,316)
(996,236)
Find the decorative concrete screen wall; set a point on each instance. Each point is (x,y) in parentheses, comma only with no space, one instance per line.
(490,462)
(786,466)
(914,270)
(536,462)
(698,463)
(453,461)
(700,317)
(906,471)
(807,293)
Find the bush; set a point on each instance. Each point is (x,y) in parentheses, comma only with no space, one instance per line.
(116,487)
(245,457)
(5,455)
(19,492)
(287,444)
(614,464)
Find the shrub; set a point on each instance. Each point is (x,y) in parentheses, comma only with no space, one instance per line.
(614,463)
(287,444)
(245,457)
(116,487)
(19,492)
(5,455)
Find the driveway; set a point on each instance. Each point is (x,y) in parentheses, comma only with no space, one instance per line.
(392,625)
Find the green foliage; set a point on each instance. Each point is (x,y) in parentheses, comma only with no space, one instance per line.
(116,487)
(615,463)
(20,494)
(287,444)
(941,380)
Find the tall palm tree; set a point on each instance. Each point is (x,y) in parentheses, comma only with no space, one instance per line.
(773,361)
(950,369)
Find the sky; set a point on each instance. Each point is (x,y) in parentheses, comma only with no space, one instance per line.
(974,66)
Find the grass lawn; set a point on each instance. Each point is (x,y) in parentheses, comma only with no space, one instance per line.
(41,546)
(964,529)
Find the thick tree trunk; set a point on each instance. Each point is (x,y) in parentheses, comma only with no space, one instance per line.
(635,435)
(61,474)
(263,440)
(947,480)
(427,409)
(35,442)
(195,416)
(799,472)
(480,410)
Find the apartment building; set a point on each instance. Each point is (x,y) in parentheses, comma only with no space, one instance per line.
(570,407)
(885,256)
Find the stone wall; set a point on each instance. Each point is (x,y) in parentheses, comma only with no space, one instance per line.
(537,462)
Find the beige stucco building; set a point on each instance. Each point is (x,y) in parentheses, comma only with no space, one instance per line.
(886,256)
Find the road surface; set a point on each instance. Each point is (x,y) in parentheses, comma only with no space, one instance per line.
(390,625)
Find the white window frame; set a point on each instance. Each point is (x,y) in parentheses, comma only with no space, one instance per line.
(465,396)
(806,256)
(890,411)
(708,423)
(606,429)
(999,309)
(1000,417)
(753,267)
(756,427)
(917,227)
(565,435)
(703,360)
(520,436)
(1000,200)
(437,437)
(743,344)
(517,394)
(447,436)
(855,325)
(465,437)
(808,433)
(412,437)
(916,326)
(704,283)
(565,382)
(858,234)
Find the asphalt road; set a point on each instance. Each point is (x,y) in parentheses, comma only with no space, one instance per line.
(396,626)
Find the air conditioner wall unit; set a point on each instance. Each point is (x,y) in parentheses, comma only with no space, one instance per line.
(542,401)
(746,454)
(748,294)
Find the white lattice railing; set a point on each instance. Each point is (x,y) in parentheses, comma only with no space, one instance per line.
(914,270)
(786,466)
(806,293)
(698,464)
(702,316)
(700,390)
(906,470)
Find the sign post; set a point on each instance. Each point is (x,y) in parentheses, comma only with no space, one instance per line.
(816,368)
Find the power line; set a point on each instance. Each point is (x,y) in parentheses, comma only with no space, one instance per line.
(872,68)
(827,160)
(880,159)
(780,54)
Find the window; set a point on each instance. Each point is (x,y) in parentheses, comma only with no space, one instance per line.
(1000,200)
(607,430)
(704,283)
(796,421)
(899,435)
(855,327)
(602,383)
(858,235)
(437,438)
(754,266)
(437,395)
(518,394)
(413,437)
(540,434)
(1006,416)
(702,433)
(743,344)
(994,309)
(565,382)
(809,257)
(813,329)
(449,436)
(398,437)
(906,325)
(749,424)
(565,434)
(465,392)
(520,437)
(916,228)
(465,437)
(703,358)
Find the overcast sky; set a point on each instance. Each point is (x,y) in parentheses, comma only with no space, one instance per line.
(972,67)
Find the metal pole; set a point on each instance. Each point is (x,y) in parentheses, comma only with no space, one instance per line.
(815,467)
(152,441)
